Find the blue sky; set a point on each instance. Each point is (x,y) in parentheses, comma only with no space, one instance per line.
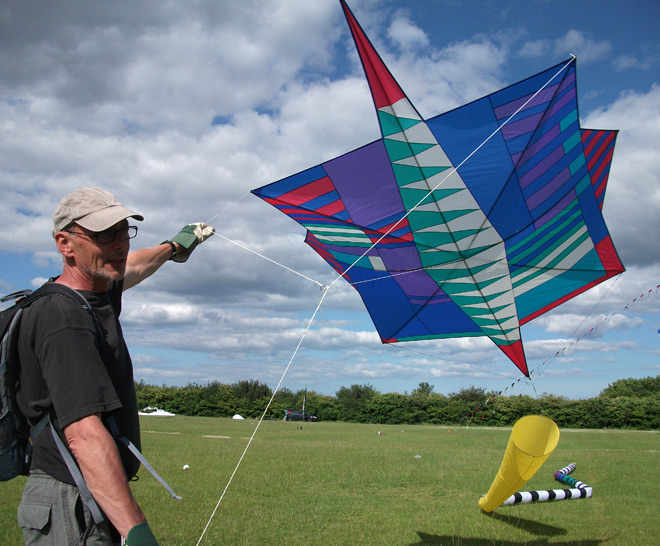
(181,109)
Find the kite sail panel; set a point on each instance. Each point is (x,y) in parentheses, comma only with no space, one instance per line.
(471,223)
(598,150)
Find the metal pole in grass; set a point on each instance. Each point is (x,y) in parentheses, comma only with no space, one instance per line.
(309,324)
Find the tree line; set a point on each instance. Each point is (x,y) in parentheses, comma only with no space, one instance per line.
(626,403)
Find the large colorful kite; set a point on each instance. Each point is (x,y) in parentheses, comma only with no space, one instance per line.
(470,223)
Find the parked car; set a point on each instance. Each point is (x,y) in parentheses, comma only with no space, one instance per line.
(299,416)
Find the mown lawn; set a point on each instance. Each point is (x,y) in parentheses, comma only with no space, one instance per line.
(344,484)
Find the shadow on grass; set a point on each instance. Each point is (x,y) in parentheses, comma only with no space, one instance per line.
(532,527)
(446,540)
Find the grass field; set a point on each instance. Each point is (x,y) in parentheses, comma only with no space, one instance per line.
(342,484)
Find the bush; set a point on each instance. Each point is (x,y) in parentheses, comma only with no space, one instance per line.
(627,403)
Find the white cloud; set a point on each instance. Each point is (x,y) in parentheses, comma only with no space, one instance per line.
(553,348)
(574,42)
(406,34)
(626,62)
(444,79)
(535,48)
(125,99)
(578,325)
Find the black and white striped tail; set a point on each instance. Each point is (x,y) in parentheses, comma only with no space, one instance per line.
(579,490)
(549,495)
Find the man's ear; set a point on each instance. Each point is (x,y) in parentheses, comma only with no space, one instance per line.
(64,243)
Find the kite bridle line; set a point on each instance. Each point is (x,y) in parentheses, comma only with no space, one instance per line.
(609,289)
(320,285)
(238,464)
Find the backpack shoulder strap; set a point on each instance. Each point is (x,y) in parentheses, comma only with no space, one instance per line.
(114,429)
(72,465)
(71,293)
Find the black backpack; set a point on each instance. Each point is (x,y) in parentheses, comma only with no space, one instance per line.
(15,444)
(15,435)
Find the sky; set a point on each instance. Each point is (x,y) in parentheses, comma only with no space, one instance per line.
(181,108)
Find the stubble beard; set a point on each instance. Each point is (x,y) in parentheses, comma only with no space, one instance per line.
(99,276)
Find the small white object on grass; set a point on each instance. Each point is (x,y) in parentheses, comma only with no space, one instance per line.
(186,467)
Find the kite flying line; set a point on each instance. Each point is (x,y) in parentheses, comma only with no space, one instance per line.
(227,207)
(240,460)
(396,225)
(409,212)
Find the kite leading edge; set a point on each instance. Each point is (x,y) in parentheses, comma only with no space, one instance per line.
(471,223)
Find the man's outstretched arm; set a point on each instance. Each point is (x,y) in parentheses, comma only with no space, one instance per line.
(145,262)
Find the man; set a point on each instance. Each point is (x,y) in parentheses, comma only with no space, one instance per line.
(66,368)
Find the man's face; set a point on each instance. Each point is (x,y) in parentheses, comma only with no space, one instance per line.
(100,262)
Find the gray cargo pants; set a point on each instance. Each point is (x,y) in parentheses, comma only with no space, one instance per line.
(51,513)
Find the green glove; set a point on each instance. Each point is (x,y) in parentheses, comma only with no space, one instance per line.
(189,237)
(141,535)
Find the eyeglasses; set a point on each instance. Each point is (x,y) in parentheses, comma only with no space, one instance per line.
(109,235)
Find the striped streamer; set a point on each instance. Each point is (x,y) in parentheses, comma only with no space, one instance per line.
(578,490)
(549,495)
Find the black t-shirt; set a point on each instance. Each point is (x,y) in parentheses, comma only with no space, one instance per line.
(63,367)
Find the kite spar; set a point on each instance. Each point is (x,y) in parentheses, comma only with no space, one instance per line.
(471,223)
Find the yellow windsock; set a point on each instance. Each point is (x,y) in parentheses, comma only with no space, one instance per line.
(532,440)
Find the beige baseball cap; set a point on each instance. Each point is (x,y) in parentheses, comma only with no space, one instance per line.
(92,208)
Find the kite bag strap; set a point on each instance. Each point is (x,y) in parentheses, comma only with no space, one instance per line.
(136,452)
(85,493)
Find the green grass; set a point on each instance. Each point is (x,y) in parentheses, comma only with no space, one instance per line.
(341,484)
